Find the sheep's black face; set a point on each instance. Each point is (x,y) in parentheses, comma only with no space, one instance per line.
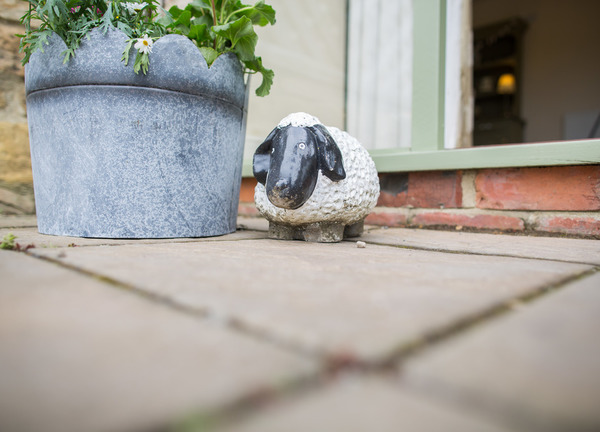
(293,168)
(289,160)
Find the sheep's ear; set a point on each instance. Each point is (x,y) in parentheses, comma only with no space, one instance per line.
(262,158)
(331,163)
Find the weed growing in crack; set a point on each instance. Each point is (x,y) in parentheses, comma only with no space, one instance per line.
(8,243)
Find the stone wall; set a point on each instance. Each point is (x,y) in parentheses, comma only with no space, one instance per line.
(545,200)
(16,185)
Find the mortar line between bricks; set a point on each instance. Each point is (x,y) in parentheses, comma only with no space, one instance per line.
(465,252)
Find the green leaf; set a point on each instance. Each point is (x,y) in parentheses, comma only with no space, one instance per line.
(261,14)
(125,28)
(204,19)
(106,21)
(265,87)
(166,20)
(200,6)
(42,40)
(267,76)
(55,10)
(199,33)
(68,54)
(142,61)
(210,55)
(241,35)
(175,12)
(8,242)
(182,23)
(125,57)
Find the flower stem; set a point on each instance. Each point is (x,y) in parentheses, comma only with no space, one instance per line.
(237,11)
(214,14)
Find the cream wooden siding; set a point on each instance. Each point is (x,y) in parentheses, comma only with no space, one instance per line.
(380,72)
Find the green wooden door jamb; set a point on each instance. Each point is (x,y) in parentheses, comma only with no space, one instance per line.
(429,71)
(579,152)
(427,147)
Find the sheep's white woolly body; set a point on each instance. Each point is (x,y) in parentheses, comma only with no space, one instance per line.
(347,201)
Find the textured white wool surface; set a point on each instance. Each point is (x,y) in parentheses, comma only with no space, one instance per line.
(299,119)
(347,201)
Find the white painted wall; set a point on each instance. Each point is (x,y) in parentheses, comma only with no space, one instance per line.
(307,50)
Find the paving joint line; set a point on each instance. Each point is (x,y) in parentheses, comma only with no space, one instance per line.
(464,252)
(329,366)
(243,405)
(205,313)
(175,240)
(411,349)
(332,361)
(246,405)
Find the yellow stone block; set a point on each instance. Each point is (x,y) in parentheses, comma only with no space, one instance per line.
(15,161)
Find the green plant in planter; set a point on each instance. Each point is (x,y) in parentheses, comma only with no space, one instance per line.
(215,26)
(219,26)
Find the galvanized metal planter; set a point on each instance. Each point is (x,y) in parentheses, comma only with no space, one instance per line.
(120,155)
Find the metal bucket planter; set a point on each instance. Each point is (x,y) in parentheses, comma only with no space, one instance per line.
(120,155)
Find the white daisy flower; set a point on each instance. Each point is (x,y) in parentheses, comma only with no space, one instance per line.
(129,7)
(144,44)
(134,7)
(139,6)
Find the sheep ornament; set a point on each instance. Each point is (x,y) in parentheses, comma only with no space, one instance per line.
(315,183)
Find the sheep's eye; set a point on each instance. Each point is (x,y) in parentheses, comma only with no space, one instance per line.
(273,150)
(302,146)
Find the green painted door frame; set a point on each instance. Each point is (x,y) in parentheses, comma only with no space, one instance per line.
(427,150)
(429,72)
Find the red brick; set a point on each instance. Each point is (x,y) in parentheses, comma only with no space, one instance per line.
(429,189)
(394,190)
(247,189)
(384,218)
(585,226)
(574,188)
(247,209)
(480,221)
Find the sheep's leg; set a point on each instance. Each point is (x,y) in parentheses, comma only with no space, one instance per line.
(323,232)
(284,232)
(355,229)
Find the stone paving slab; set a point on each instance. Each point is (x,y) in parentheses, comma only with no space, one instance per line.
(80,355)
(18,221)
(552,248)
(361,405)
(30,236)
(253,223)
(332,298)
(537,369)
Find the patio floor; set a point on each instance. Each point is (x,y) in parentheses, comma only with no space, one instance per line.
(418,331)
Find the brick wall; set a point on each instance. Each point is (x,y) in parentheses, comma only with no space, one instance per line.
(16,184)
(547,200)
